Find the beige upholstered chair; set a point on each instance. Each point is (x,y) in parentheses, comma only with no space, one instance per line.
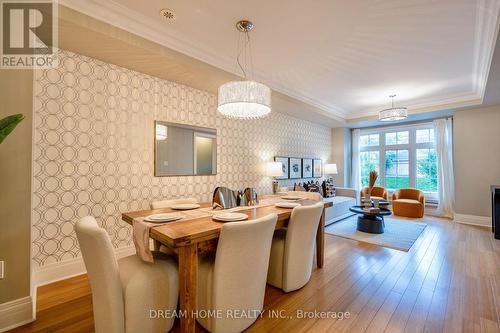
(306,195)
(377,193)
(236,278)
(292,251)
(124,291)
(170,203)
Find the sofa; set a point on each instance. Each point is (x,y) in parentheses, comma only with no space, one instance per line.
(342,201)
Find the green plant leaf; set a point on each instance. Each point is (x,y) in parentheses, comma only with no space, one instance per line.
(8,124)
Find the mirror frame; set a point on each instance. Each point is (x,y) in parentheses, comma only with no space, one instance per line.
(168,123)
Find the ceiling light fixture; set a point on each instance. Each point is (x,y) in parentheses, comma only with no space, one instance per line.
(244,99)
(393,113)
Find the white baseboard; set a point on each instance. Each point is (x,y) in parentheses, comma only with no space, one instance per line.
(483,221)
(16,313)
(65,269)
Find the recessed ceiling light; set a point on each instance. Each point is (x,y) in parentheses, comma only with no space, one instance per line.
(167,14)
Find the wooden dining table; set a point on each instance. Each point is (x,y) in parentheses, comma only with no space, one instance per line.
(191,237)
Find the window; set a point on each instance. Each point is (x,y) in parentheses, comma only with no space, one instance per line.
(396,138)
(369,140)
(426,170)
(370,160)
(397,170)
(425,135)
(403,156)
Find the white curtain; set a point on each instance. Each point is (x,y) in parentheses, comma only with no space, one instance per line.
(355,170)
(443,132)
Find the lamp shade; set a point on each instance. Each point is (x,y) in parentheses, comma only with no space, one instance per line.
(273,169)
(244,100)
(330,169)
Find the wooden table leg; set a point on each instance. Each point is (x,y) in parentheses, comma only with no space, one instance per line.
(320,241)
(156,245)
(188,271)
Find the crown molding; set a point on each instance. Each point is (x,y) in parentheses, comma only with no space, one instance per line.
(486,31)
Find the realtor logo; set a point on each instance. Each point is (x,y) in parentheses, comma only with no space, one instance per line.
(29,34)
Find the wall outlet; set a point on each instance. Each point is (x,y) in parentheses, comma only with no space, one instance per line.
(2,269)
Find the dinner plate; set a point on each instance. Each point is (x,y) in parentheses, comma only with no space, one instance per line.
(186,206)
(158,218)
(229,217)
(287,204)
(291,197)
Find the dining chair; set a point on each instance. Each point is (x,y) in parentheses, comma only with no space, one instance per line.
(234,279)
(125,291)
(292,250)
(306,195)
(170,203)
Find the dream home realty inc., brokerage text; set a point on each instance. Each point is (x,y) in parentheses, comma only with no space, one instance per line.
(254,314)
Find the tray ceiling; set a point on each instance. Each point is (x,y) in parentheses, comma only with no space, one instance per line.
(344,57)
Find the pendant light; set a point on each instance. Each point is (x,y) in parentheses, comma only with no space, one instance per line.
(245,99)
(393,113)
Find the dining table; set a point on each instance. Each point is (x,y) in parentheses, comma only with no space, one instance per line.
(194,236)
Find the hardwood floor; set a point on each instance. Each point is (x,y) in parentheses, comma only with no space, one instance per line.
(449,281)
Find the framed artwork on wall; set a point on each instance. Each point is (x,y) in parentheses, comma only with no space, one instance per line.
(307,168)
(295,168)
(284,167)
(317,172)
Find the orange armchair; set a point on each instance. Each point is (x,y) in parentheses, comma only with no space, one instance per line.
(377,193)
(408,202)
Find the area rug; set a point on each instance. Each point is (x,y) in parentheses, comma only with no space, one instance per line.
(399,234)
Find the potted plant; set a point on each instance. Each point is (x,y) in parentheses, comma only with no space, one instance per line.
(8,124)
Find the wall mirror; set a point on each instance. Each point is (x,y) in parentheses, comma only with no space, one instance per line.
(184,150)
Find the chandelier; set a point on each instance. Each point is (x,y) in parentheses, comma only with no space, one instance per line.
(393,113)
(245,99)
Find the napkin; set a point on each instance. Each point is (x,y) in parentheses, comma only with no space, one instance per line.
(140,233)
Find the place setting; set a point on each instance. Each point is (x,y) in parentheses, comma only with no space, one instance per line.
(163,217)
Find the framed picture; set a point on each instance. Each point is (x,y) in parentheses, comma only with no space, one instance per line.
(295,168)
(307,168)
(284,167)
(317,172)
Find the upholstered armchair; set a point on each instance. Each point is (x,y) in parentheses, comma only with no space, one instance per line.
(377,193)
(408,202)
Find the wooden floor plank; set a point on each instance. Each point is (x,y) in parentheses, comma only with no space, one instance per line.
(449,281)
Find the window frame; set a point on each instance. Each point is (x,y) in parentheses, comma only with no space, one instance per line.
(411,146)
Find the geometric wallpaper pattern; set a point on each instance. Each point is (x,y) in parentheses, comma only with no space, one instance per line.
(93,149)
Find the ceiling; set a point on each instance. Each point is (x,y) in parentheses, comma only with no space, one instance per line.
(343,57)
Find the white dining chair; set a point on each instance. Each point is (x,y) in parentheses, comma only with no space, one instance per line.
(124,291)
(235,279)
(171,202)
(306,195)
(292,250)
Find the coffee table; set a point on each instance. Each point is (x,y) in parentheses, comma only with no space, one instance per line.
(372,223)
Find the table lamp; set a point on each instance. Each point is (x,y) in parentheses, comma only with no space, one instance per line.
(273,169)
(330,169)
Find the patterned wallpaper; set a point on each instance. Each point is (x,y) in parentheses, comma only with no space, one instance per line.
(93,149)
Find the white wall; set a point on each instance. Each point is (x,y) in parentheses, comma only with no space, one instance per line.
(476,159)
(341,138)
